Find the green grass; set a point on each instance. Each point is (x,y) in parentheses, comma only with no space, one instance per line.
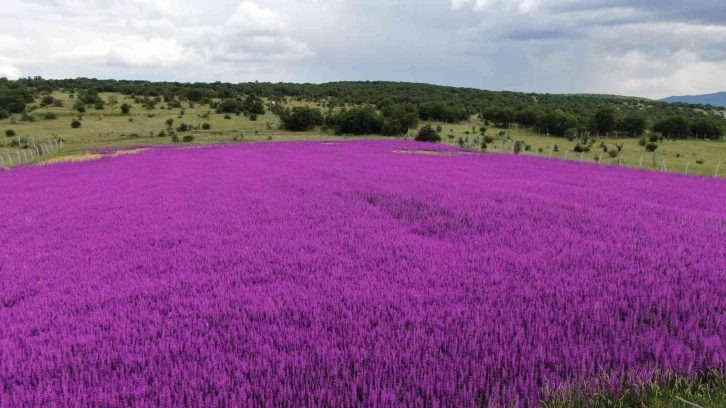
(104,128)
(707,391)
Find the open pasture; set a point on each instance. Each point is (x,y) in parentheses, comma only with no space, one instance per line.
(353,274)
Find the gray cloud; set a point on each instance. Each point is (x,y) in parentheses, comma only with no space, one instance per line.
(640,47)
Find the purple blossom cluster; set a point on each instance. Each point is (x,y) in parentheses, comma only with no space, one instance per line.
(356,274)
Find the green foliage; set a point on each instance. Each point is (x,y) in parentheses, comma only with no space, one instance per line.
(427,134)
(558,122)
(707,129)
(301,118)
(651,147)
(398,119)
(169,123)
(206,126)
(675,127)
(46,100)
(518,146)
(357,121)
(10,133)
(633,125)
(75,123)
(50,116)
(187,138)
(183,127)
(125,109)
(605,121)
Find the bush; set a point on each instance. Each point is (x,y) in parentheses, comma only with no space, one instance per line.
(10,133)
(642,142)
(518,146)
(175,138)
(26,117)
(75,124)
(227,116)
(651,147)
(613,153)
(125,109)
(50,116)
(206,126)
(183,127)
(253,117)
(161,134)
(427,134)
(489,139)
(438,129)
(700,161)
(98,106)
(188,138)
(169,123)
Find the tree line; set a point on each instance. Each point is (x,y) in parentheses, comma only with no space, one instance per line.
(390,107)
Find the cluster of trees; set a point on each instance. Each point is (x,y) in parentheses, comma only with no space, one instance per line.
(389,108)
(392,120)
(561,122)
(250,105)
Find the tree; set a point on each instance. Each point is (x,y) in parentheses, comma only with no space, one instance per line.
(356,121)
(558,122)
(301,118)
(125,109)
(427,134)
(633,125)
(79,106)
(112,102)
(675,126)
(398,119)
(605,121)
(169,123)
(707,129)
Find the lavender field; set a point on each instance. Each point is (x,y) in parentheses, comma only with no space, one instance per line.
(352,274)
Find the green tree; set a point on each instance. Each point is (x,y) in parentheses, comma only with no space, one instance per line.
(112,102)
(427,134)
(301,118)
(605,121)
(125,109)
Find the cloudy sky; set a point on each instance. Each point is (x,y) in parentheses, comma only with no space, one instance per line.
(652,48)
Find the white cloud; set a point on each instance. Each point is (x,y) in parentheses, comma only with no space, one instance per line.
(9,72)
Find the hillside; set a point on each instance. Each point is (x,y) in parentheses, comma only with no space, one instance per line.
(715,99)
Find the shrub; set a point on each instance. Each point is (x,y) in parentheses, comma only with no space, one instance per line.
(642,142)
(654,138)
(427,134)
(183,127)
(556,148)
(613,153)
(50,116)
(651,147)
(10,133)
(131,119)
(188,138)
(125,109)
(518,146)
(175,138)
(206,126)
(438,129)
(57,103)
(169,123)
(700,161)
(161,134)
(26,117)
(450,136)
(227,116)
(253,117)
(482,130)
(75,124)
(489,139)
(98,106)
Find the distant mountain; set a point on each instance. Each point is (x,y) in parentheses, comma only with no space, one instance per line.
(716,99)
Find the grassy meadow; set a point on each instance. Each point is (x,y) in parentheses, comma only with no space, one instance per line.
(109,128)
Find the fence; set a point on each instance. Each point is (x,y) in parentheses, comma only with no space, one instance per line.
(31,154)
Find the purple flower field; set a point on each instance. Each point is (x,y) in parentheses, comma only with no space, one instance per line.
(352,274)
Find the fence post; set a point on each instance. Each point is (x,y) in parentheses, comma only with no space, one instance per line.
(620,161)
(10,159)
(566,151)
(599,159)
(717,167)
(2,162)
(20,161)
(641,162)
(582,156)
(687,166)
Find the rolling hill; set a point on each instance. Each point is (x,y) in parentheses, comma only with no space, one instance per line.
(715,99)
